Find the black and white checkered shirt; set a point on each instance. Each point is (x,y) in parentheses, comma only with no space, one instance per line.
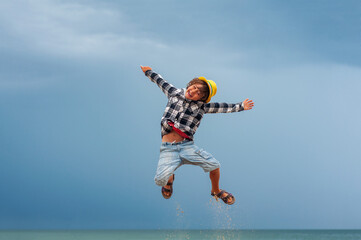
(184,113)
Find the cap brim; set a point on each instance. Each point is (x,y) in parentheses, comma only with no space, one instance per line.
(209,88)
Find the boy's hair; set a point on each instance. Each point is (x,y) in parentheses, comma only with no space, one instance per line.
(204,89)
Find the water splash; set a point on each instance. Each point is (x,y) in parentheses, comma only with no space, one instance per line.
(222,215)
(221,212)
(179,210)
(180,224)
(178,235)
(223,219)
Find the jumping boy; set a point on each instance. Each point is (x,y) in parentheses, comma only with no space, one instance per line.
(179,123)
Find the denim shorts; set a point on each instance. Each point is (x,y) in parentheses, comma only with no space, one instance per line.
(174,155)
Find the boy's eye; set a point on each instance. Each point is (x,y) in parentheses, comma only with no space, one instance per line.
(198,91)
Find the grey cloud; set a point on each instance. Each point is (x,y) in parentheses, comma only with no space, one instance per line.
(68,29)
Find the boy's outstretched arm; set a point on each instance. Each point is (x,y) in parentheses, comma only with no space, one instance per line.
(215,107)
(166,87)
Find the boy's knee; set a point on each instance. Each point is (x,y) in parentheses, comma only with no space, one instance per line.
(210,167)
(160,181)
(214,171)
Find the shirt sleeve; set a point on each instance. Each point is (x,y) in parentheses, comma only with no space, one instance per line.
(166,87)
(214,107)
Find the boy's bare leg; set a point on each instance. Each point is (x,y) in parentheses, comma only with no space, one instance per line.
(214,176)
(170,180)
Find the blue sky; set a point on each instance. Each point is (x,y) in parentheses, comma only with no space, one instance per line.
(80,133)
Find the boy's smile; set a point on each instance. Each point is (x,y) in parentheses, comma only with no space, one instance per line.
(193,92)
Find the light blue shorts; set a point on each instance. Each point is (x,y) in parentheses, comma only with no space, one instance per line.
(174,155)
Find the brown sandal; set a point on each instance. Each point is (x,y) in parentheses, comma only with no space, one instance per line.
(165,190)
(225,198)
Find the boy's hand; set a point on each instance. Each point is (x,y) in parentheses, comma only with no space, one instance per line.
(144,69)
(248,104)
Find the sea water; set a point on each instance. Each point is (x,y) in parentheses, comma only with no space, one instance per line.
(222,219)
(182,234)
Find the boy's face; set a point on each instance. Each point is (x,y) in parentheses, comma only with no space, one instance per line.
(193,92)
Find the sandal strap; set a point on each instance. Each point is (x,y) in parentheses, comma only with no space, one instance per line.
(218,194)
(166,189)
(228,196)
(221,193)
(224,198)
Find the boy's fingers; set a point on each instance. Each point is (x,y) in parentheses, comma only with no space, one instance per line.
(146,68)
(248,104)
(247,101)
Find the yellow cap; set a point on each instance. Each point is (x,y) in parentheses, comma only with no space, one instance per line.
(212,88)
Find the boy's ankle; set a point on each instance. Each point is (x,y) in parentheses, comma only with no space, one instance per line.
(216,191)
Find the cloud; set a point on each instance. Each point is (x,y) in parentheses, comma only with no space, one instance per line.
(233,38)
(68,29)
